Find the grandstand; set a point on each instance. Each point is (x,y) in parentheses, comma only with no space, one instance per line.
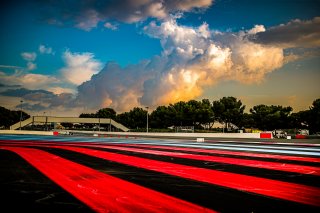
(44,120)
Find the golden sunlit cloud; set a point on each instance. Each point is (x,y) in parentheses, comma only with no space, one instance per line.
(192,60)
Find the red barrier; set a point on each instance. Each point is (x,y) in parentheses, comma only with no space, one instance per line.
(265,135)
(301,136)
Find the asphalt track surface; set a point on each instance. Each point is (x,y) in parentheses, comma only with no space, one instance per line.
(85,174)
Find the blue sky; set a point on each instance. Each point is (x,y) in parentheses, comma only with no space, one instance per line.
(66,58)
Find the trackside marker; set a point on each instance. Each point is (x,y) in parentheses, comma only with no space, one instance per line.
(272,188)
(102,192)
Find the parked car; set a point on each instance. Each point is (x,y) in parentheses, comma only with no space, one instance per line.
(278,133)
(303,132)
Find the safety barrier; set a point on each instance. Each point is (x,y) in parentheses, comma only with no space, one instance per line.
(266,135)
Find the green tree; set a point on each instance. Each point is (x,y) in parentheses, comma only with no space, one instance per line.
(10,117)
(135,118)
(199,112)
(106,113)
(204,113)
(124,119)
(87,115)
(191,113)
(161,117)
(299,120)
(228,110)
(247,121)
(314,118)
(177,112)
(310,119)
(271,117)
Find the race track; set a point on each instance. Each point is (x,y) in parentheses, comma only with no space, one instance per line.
(86,174)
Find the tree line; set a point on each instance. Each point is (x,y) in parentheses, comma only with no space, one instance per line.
(204,113)
(10,117)
(201,114)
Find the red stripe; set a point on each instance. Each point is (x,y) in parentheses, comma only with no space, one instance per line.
(242,162)
(311,170)
(210,151)
(207,151)
(273,188)
(102,192)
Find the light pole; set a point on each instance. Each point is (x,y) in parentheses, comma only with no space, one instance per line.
(21,101)
(147,120)
(45,123)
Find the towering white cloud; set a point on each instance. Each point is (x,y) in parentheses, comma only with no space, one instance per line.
(79,67)
(204,60)
(192,59)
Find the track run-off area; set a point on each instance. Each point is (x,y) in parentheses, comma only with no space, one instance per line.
(91,174)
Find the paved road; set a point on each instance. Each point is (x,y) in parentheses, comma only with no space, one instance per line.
(83,174)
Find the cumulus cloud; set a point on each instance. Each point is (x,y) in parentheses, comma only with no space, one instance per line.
(59,90)
(21,92)
(203,60)
(87,14)
(296,33)
(256,29)
(31,66)
(192,59)
(29,81)
(89,19)
(45,50)
(114,86)
(35,100)
(110,26)
(31,107)
(10,67)
(79,67)
(29,56)
(9,86)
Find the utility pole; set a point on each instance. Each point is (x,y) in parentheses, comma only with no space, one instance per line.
(21,113)
(147,120)
(45,123)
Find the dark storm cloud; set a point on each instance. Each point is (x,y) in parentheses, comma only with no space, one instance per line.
(22,92)
(86,14)
(43,99)
(63,99)
(9,86)
(31,107)
(296,33)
